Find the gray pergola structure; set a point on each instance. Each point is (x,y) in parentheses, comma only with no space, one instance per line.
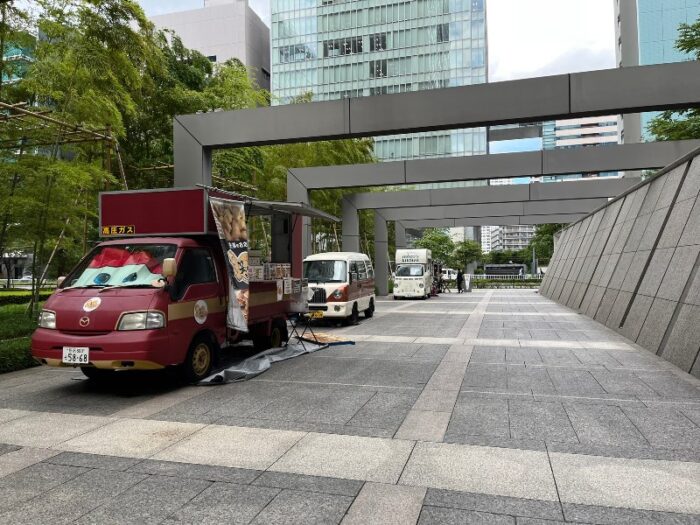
(614,91)
(518,204)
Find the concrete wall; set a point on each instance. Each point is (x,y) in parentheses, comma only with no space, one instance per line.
(633,264)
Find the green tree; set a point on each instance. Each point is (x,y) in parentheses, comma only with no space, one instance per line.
(438,242)
(543,241)
(684,124)
(464,253)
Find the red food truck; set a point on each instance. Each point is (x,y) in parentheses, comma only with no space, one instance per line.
(174,282)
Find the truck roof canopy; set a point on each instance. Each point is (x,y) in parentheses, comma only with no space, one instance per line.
(256,207)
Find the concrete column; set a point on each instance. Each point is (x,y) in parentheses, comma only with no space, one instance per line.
(297,192)
(351,226)
(192,160)
(381,254)
(400,238)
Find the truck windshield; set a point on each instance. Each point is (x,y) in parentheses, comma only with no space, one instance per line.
(121,265)
(409,270)
(325,271)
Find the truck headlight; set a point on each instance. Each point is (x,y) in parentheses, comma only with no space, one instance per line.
(338,294)
(47,319)
(420,285)
(141,321)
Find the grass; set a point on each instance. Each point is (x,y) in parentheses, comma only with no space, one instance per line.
(16,327)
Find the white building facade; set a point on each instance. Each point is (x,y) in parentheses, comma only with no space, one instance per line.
(221,30)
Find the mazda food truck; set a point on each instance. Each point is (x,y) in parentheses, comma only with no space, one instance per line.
(173,282)
(341,285)
(414,274)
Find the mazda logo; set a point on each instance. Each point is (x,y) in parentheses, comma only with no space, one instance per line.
(84,321)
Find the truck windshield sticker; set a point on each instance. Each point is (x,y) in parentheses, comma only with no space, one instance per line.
(233,232)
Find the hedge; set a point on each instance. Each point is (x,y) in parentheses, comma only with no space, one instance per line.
(15,297)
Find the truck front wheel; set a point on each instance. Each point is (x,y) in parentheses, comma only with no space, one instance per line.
(199,360)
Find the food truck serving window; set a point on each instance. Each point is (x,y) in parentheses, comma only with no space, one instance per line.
(121,265)
(409,270)
(325,271)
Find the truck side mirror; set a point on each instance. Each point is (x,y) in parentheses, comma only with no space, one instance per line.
(169,267)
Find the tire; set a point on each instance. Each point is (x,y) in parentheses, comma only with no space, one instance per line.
(200,359)
(96,374)
(370,311)
(396,298)
(278,333)
(354,317)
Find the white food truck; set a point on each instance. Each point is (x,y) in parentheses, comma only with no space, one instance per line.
(414,274)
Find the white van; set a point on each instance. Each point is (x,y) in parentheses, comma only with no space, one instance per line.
(449,274)
(341,285)
(414,274)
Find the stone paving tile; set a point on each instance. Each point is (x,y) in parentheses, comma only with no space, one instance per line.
(34,480)
(71,500)
(614,516)
(225,503)
(150,501)
(248,448)
(293,507)
(445,516)
(47,429)
(93,461)
(603,424)
(668,486)
(665,428)
(384,410)
(194,471)
(138,438)
(550,510)
(540,420)
(480,417)
(283,480)
(298,426)
(575,382)
(22,458)
(496,471)
(379,504)
(348,457)
(482,375)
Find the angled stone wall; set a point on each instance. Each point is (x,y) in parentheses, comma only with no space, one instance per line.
(633,264)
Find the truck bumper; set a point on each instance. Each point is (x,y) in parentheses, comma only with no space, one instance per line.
(128,350)
(334,309)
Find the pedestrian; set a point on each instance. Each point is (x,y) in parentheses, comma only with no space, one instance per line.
(460,281)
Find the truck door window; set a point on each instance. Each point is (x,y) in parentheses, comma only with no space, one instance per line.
(196,267)
(361,270)
(353,270)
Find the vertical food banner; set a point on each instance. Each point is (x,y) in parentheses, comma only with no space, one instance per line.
(231,224)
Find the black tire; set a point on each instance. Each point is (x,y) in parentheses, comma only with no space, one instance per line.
(96,374)
(396,298)
(370,311)
(354,317)
(200,359)
(279,334)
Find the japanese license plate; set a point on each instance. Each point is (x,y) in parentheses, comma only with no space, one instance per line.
(76,355)
(316,314)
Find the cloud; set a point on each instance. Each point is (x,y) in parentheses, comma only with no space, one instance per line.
(529,38)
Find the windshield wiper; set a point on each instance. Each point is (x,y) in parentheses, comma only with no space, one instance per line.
(133,285)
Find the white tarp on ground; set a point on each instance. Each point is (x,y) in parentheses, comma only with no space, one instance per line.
(257,364)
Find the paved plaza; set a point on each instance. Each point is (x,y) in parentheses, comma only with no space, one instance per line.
(490,407)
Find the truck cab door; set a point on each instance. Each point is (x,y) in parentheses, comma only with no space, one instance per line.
(195,300)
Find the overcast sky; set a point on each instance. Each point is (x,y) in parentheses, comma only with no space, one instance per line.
(527,38)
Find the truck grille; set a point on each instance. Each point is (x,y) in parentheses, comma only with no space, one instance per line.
(319,295)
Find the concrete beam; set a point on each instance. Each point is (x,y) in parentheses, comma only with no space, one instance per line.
(614,91)
(569,190)
(615,157)
(498,134)
(493,221)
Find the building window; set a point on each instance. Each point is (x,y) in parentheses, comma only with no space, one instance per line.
(377,68)
(342,46)
(211,58)
(377,42)
(297,53)
(443,32)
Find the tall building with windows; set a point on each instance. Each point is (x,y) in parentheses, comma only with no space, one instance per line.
(647,31)
(335,49)
(515,237)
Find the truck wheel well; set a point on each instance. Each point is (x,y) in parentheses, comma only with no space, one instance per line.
(208,334)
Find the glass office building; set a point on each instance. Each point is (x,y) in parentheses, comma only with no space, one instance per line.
(647,31)
(336,48)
